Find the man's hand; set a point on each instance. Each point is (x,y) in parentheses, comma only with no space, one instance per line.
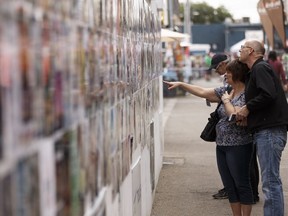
(242,123)
(242,113)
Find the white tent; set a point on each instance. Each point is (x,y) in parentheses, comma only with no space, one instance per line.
(196,47)
(236,47)
(168,35)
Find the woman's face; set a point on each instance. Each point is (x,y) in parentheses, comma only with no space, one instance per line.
(229,77)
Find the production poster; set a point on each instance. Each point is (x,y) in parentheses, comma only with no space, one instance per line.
(7,195)
(1,124)
(136,189)
(63,184)
(126,162)
(93,160)
(116,173)
(82,154)
(106,147)
(100,209)
(47,178)
(99,133)
(27,186)
(152,155)
(24,66)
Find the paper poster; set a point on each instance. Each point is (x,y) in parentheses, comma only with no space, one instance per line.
(27,186)
(136,189)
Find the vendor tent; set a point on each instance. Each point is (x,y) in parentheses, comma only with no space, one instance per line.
(168,35)
(196,48)
(237,46)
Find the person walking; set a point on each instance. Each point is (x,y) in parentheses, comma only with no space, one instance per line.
(278,68)
(267,119)
(234,145)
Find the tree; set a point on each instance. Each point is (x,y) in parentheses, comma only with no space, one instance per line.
(202,13)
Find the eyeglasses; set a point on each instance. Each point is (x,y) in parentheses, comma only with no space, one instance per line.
(243,47)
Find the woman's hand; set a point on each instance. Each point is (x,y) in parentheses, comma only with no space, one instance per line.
(172,85)
(226,96)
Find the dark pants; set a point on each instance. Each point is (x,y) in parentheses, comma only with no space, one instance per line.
(254,174)
(234,168)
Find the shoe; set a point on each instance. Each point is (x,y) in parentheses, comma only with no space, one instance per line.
(219,192)
(256,199)
(222,194)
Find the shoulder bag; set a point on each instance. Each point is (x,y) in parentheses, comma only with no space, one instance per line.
(209,132)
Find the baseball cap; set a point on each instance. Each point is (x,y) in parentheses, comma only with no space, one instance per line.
(216,59)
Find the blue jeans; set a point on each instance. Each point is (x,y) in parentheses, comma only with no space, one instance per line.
(270,143)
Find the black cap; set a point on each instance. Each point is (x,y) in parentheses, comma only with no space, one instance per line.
(216,59)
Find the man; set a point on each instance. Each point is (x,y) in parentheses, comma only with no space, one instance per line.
(218,65)
(267,118)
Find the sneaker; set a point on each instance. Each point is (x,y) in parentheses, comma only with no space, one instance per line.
(220,191)
(222,194)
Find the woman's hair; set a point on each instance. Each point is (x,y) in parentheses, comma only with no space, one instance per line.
(272,55)
(238,70)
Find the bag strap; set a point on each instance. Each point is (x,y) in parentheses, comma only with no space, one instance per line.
(218,105)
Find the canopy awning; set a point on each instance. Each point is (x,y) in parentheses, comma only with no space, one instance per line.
(168,36)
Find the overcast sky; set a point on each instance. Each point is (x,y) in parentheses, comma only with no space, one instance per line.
(238,9)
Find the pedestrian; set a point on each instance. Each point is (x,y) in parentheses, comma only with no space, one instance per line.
(218,65)
(234,145)
(278,68)
(267,119)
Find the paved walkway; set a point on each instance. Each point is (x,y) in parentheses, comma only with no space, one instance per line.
(189,175)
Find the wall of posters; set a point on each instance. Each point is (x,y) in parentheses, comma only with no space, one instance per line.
(79,92)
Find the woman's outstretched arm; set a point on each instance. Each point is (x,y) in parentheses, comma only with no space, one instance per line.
(198,91)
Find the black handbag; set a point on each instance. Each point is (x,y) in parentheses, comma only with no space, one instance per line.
(209,132)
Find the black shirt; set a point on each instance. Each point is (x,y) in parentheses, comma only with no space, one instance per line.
(265,98)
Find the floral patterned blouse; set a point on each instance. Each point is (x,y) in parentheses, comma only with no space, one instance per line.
(228,133)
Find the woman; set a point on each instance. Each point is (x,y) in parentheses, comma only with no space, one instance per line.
(234,144)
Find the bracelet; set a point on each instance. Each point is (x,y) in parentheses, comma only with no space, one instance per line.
(225,99)
(226,102)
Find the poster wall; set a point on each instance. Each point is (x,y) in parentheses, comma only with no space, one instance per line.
(79,87)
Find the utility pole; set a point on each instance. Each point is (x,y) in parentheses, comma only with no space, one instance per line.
(170,9)
(187,30)
(187,23)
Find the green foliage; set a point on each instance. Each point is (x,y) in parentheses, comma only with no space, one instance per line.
(202,13)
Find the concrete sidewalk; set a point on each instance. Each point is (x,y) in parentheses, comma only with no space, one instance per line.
(189,175)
